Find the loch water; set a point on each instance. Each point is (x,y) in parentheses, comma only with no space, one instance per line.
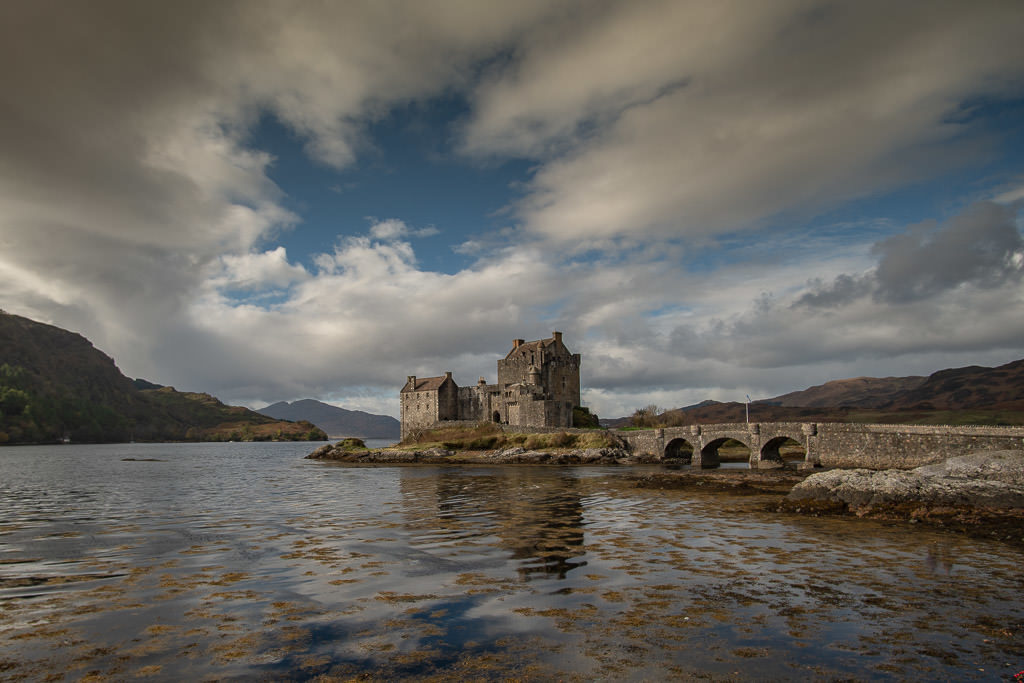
(242,561)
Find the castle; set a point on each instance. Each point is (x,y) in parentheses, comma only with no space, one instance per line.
(538,386)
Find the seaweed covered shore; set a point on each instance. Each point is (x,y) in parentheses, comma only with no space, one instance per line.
(981,495)
(487,444)
(508,456)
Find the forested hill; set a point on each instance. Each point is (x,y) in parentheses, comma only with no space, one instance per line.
(55,384)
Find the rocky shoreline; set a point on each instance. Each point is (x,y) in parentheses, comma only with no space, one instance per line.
(980,494)
(508,456)
(740,482)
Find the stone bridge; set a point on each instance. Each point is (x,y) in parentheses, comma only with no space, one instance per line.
(873,446)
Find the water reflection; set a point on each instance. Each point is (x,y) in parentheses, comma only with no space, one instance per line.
(940,559)
(539,521)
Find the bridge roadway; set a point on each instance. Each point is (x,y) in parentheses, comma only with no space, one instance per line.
(872,446)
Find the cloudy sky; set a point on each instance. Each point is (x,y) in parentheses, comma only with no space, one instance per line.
(279,200)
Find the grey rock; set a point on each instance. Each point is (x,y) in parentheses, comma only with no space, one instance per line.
(992,479)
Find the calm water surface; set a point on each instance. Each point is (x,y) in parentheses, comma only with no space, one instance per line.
(244,561)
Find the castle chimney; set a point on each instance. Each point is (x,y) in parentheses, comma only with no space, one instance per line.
(448,375)
(412,381)
(557,336)
(516,343)
(481,381)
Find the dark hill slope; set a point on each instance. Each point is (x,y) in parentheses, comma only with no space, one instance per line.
(967,388)
(55,362)
(334,420)
(971,395)
(55,384)
(859,392)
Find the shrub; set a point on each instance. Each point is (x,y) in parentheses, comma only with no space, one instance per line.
(582,418)
(646,416)
(351,444)
(563,440)
(483,443)
(600,439)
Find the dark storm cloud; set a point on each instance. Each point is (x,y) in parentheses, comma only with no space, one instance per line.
(844,289)
(981,247)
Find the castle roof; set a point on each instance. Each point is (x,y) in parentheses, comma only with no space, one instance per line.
(424,383)
(532,346)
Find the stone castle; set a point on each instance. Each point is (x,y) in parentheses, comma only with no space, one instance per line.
(538,386)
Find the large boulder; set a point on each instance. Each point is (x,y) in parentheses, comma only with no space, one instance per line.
(990,480)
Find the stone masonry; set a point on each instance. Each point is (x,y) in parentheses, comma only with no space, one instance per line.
(538,386)
(842,445)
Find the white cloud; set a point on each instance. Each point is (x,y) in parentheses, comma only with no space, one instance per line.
(666,118)
(259,271)
(126,178)
(1011,195)
(393,228)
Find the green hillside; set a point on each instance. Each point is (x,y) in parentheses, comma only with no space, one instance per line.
(54,385)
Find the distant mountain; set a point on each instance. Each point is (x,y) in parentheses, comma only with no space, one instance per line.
(54,384)
(859,392)
(336,421)
(971,395)
(968,388)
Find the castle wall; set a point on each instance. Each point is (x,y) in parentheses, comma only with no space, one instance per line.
(529,406)
(436,400)
(561,376)
(478,403)
(448,401)
(514,368)
(418,410)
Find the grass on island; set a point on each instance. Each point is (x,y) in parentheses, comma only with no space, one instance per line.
(351,444)
(487,436)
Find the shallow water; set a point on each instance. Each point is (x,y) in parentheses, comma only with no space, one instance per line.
(202,561)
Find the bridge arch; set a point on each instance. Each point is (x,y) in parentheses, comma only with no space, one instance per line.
(709,454)
(679,450)
(781,448)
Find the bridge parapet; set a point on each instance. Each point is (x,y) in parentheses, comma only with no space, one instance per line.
(832,444)
(888,446)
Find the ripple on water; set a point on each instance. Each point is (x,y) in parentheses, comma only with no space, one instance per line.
(244,560)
